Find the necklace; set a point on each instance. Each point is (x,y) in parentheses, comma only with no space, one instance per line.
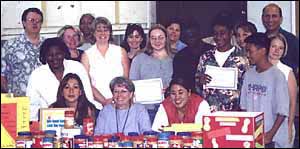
(127,114)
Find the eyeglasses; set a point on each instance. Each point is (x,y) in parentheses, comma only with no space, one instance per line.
(159,38)
(120,92)
(31,20)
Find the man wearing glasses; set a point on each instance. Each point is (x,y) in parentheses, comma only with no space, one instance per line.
(20,55)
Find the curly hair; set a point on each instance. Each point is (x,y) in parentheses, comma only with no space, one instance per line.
(51,42)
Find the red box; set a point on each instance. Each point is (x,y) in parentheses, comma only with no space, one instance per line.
(233,130)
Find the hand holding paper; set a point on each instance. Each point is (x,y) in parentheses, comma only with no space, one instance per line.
(222,78)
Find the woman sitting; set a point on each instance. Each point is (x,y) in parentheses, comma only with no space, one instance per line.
(71,94)
(122,115)
(182,106)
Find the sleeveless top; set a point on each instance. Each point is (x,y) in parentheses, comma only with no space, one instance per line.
(104,68)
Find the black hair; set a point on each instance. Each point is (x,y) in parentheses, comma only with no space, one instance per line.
(180,81)
(129,30)
(51,42)
(223,18)
(85,15)
(260,40)
(173,20)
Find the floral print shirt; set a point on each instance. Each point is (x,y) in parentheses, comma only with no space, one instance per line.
(222,99)
(19,57)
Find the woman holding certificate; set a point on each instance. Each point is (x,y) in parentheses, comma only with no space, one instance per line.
(122,115)
(155,62)
(219,64)
(182,106)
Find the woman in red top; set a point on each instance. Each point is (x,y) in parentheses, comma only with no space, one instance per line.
(182,106)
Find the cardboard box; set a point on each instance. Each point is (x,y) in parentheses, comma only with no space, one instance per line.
(233,129)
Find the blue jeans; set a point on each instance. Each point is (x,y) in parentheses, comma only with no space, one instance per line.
(152,110)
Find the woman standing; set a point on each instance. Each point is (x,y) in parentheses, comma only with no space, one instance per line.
(104,61)
(71,36)
(134,41)
(278,49)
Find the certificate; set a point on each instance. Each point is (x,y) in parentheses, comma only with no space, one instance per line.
(148,91)
(222,77)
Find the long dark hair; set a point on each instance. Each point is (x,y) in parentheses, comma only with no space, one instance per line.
(82,105)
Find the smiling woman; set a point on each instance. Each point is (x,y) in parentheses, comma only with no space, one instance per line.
(71,94)
(123,115)
(182,106)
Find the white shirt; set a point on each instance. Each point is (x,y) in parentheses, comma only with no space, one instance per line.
(221,57)
(104,69)
(284,69)
(161,118)
(43,86)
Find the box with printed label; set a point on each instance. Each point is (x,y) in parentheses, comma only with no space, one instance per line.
(233,129)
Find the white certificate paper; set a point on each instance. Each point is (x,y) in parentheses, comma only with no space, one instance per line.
(148,91)
(222,77)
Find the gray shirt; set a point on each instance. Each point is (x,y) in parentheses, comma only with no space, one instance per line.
(144,66)
(266,92)
(109,117)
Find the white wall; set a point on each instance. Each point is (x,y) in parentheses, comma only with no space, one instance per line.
(60,13)
(288,12)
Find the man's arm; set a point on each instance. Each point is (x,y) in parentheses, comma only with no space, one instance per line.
(270,134)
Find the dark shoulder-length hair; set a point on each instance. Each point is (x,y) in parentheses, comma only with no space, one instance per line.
(82,105)
(129,30)
(51,42)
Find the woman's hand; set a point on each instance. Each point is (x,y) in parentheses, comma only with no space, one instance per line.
(290,134)
(204,79)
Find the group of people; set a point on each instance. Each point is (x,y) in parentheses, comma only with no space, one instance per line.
(83,69)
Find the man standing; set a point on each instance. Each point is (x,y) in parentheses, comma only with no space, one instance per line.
(272,19)
(21,54)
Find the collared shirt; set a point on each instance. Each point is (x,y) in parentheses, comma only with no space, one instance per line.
(19,57)
(180,45)
(222,99)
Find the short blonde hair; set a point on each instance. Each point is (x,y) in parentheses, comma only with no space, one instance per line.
(62,31)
